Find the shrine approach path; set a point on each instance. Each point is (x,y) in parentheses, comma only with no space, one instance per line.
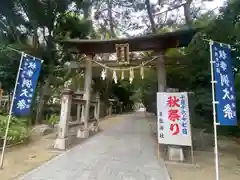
(125,151)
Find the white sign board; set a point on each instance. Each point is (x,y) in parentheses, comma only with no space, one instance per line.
(173,119)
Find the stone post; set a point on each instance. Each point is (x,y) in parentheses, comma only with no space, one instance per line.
(79,112)
(110,109)
(161,73)
(97,111)
(62,141)
(174,152)
(84,132)
(121,107)
(79,105)
(82,113)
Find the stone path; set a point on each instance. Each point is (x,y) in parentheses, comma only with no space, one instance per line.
(127,151)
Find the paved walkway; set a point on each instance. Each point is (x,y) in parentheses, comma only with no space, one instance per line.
(127,151)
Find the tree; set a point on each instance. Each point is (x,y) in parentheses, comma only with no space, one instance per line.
(223,29)
(44,25)
(188,70)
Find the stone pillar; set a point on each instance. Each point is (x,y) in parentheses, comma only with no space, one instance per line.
(121,107)
(79,105)
(84,132)
(161,76)
(97,112)
(174,152)
(82,113)
(110,109)
(62,141)
(161,73)
(79,112)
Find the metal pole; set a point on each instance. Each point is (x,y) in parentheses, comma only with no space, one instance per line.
(10,113)
(192,154)
(214,114)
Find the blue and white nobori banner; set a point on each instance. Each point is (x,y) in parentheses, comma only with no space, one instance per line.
(224,86)
(26,84)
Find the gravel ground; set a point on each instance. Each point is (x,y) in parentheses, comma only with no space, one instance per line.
(124,151)
(23,158)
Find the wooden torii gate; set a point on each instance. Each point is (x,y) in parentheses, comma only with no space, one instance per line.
(158,43)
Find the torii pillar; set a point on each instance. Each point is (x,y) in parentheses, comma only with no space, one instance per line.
(161,74)
(174,152)
(83,132)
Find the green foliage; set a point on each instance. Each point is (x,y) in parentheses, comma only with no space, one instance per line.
(224,30)
(148,88)
(189,68)
(123,91)
(71,25)
(51,111)
(8,69)
(18,131)
(53,119)
(37,31)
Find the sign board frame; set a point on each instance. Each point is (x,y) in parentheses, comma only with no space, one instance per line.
(164,133)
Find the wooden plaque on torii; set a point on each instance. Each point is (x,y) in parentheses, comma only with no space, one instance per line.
(122,52)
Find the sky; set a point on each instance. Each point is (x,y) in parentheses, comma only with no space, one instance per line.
(213,5)
(210,5)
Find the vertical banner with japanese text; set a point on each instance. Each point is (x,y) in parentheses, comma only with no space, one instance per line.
(224,84)
(173,119)
(26,84)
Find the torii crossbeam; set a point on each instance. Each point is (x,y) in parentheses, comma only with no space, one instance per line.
(156,42)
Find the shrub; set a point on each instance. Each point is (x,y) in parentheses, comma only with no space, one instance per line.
(53,119)
(18,131)
(51,109)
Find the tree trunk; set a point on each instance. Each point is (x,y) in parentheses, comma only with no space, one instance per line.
(51,57)
(109,79)
(107,93)
(150,16)
(187,13)
(44,90)
(111,22)
(40,107)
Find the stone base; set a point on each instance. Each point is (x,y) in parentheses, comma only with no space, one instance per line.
(82,133)
(96,129)
(175,153)
(61,143)
(41,130)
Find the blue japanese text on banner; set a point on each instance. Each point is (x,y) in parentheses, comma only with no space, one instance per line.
(224,86)
(26,84)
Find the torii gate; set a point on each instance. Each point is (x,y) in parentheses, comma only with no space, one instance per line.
(158,43)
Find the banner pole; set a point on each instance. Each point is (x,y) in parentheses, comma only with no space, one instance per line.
(214,113)
(10,114)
